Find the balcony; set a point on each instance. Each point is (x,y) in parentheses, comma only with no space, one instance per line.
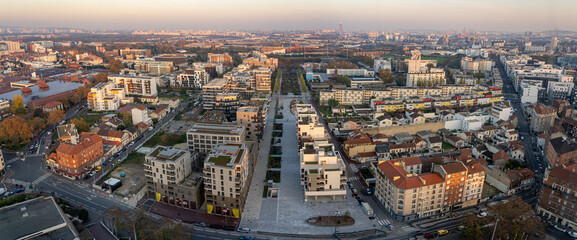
(171,173)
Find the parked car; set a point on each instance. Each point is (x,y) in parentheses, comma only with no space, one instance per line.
(390,227)
(351,185)
(572,234)
(243,230)
(368,191)
(429,236)
(98,169)
(482,214)
(560,228)
(245,238)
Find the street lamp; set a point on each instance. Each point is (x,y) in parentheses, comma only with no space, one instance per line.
(337,222)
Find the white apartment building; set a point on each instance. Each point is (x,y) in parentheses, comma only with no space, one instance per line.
(308,126)
(323,172)
(529,93)
(351,72)
(203,137)
(202,65)
(476,65)
(105,96)
(501,111)
(381,63)
(227,175)
(433,77)
(191,78)
(141,86)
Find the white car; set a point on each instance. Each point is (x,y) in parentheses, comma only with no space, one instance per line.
(572,234)
(560,228)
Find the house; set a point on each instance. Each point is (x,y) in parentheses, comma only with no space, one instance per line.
(489,130)
(159,113)
(350,125)
(456,141)
(446,116)
(383,152)
(339,110)
(149,99)
(420,144)
(140,114)
(516,150)
(466,135)
(112,121)
(379,137)
(403,137)
(365,157)
(416,119)
(171,102)
(384,120)
(401,148)
(500,158)
(511,181)
(435,143)
(116,136)
(52,106)
(426,134)
(353,147)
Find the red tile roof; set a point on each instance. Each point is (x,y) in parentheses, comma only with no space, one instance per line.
(454,167)
(52,104)
(403,180)
(358,141)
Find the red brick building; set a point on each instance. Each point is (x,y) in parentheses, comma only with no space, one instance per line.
(76,158)
(558,201)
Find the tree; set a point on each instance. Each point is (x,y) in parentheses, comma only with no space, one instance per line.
(512,164)
(473,225)
(80,124)
(515,219)
(14,131)
(38,112)
(115,65)
(98,78)
(344,79)
(65,103)
(17,107)
(386,75)
(333,102)
(37,123)
(55,116)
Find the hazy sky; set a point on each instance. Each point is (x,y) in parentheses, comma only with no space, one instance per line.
(481,15)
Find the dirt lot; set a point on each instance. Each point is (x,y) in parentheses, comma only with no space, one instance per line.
(132,182)
(178,127)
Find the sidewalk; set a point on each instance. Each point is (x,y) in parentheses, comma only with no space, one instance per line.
(252,207)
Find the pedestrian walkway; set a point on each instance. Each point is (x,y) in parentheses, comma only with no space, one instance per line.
(252,207)
(41,178)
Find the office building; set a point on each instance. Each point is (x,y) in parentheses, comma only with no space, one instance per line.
(203,137)
(227,175)
(169,177)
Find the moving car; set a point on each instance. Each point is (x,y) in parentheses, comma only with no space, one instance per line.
(98,169)
(442,232)
(243,230)
(200,224)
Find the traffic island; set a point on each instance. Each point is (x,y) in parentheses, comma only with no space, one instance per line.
(331,221)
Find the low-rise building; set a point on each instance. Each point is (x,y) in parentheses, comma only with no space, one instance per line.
(542,117)
(78,157)
(227,176)
(560,151)
(169,178)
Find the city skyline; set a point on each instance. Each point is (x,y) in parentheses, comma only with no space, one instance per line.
(367,15)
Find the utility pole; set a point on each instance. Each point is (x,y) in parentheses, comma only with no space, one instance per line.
(495,229)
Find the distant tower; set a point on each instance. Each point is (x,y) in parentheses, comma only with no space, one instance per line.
(341,31)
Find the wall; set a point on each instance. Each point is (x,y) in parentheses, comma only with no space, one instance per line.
(411,129)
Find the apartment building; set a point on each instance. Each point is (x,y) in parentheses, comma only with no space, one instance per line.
(153,67)
(560,151)
(433,77)
(169,178)
(542,117)
(557,198)
(227,175)
(323,172)
(218,67)
(76,158)
(361,72)
(476,64)
(140,114)
(191,78)
(141,86)
(501,111)
(203,137)
(213,88)
(219,58)
(409,194)
(105,96)
(134,53)
(252,120)
(4,108)
(308,126)
(261,79)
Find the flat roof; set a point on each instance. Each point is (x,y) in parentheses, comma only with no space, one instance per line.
(38,216)
(162,153)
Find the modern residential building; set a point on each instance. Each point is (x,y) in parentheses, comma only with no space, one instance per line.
(361,72)
(381,63)
(501,111)
(323,172)
(262,79)
(203,137)
(141,86)
(169,177)
(476,64)
(78,157)
(557,198)
(191,78)
(432,77)
(153,67)
(252,120)
(542,117)
(218,67)
(213,88)
(105,96)
(227,176)
(134,53)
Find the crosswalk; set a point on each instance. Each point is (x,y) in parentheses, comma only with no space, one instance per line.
(353,178)
(384,222)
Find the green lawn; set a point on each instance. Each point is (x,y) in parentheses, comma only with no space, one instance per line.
(277,134)
(274,162)
(273,175)
(161,138)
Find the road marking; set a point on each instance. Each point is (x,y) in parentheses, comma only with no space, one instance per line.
(41,178)
(353,178)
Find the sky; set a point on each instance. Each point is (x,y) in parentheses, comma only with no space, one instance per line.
(355,15)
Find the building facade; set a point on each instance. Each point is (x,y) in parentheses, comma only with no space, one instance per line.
(227,175)
(141,86)
(106,96)
(252,121)
(203,137)
(557,198)
(77,158)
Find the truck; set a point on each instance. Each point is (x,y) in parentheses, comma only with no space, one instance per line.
(367,208)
